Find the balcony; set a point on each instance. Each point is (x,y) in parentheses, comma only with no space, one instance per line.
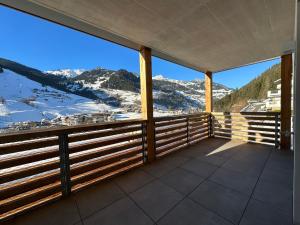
(203,173)
(216,181)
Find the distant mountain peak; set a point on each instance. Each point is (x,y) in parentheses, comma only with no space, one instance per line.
(159,77)
(70,73)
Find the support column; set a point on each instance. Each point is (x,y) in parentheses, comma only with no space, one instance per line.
(296,195)
(208,92)
(286,95)
(147,99)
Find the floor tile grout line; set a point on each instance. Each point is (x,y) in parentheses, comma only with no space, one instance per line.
(253,190)
(78,210)
(98,210)
(136,204)
(187,195)
(212,211)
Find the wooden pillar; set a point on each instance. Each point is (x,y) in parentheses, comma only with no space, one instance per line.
(286,88)
(208,92)
(147,99)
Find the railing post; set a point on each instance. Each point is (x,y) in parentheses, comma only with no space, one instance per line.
(143,127)
(285,99)
(211,125)
(64,164)
(187,131)
(147,99)
(276,131)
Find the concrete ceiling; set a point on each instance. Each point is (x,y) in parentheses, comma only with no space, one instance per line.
(207,35)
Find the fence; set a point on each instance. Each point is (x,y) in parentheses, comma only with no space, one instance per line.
(40,166)
(175,132)
(257,127)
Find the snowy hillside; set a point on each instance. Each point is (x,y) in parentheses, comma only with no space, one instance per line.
(63,97)
(22,99)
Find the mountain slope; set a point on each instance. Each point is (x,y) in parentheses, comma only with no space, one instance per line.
(120,88)
(255,90)
(30,101)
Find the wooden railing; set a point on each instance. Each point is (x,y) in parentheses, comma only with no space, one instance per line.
(175,132)
(257,127)
(44,165)
(40,166)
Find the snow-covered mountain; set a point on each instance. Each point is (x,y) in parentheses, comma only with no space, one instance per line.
(69,73)
(31,101)
(50,95)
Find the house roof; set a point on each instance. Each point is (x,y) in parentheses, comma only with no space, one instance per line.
(206,35)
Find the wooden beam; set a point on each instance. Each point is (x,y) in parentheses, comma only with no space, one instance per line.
(208,92)
(147,99)
(286,88)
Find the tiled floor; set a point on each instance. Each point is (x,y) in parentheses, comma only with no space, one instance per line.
(215,182)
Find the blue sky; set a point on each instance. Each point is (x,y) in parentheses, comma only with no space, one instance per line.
(45,46)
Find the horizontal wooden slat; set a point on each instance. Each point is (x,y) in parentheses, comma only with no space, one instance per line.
(170,135)
(49,132)
(28,158)
(173,128)
(30,206)
(246,113)
(28,171)
(171,140)
(109,141)
(245,137)
(91,165)
(28,184)
(101,170)
(25,146)
(199,128)
(255,128)
(170,147)
(108,174)
(190,116)
(28,197)
(167,152)
(105,151)
(228,123)
(202,131)
(245,140)
(198,138)
(103,133)
(249,132)
(171,122)
(246,118)
(197,123)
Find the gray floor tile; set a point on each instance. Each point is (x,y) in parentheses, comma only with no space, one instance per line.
(244,166)
(156,198)
(259,213)
(182,180)
(57,213)
(275,194)
(97,197)
(213,159)
(235,180)
(189,212)
(277,176)
(226,202)
(122,212)
(200,168)
(133,180)
(283,165)
(165,165)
